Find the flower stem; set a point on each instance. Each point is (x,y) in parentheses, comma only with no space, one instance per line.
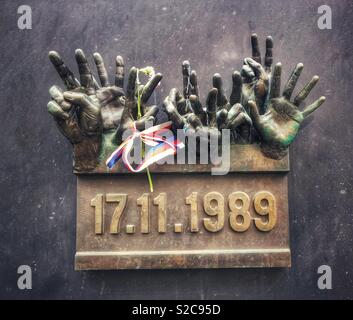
(149,179)
(139,115)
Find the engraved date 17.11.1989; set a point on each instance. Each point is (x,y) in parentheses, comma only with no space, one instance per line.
(214,207)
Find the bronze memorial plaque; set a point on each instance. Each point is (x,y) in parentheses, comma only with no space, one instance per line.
(191,220)
(183,183)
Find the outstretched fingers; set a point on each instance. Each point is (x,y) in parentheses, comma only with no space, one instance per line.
(64,72)
(275,90)
(218,84)
(269,54)
(131,107)
(186,71)
(194,83)
(198,109)
(150,87)
(256,54)
(85,72)
(292,81)
(102,71)
(211,104)
(235,96)
(302,95)
(131,84)
(310,109)
(119,73)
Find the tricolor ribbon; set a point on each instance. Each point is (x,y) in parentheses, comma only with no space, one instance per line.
(161,147)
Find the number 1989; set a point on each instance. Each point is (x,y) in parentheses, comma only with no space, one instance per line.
(235,209)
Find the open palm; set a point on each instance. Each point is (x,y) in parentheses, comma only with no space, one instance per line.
(279,126)
(88,109)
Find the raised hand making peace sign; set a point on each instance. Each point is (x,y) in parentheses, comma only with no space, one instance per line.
(87,109)
(256,77)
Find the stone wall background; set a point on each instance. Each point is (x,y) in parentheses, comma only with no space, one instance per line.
(38,190)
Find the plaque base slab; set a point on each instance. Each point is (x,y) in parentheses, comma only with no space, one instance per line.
(222,232)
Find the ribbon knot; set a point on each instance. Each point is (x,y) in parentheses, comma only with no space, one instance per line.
(161,147)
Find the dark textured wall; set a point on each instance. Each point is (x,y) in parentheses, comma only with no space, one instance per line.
(38,191)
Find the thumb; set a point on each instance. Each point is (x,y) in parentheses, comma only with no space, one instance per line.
(256,67)
(77,98)
(144,123)
(235,96)
(254,111)
(212,107)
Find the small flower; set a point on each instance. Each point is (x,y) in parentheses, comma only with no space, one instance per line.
(148,71)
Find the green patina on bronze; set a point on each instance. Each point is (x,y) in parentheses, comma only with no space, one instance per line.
(93,116)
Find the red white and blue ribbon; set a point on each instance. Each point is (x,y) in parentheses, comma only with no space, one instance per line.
(162,147)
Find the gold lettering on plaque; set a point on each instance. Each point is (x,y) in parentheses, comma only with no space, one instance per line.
(194,216)
(265,205)
(97,203)
(178,228)
(130,229)
(239,205)
(121,199)
(161,202)
(214,206)
(216,210)
(144,203)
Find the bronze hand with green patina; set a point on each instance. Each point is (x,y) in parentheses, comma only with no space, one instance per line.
(89,114)
(198,122)
(230,113)
(279,126)
(255,75)
(129,116)
(186,111)
(77,111)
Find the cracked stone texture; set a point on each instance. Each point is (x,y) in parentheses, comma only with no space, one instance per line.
(38,190)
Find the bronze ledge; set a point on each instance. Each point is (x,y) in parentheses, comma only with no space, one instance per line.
(244,158)
(184,259)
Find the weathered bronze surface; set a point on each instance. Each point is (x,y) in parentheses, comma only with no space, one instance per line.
(243,158)
(94,116)
(191,220)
